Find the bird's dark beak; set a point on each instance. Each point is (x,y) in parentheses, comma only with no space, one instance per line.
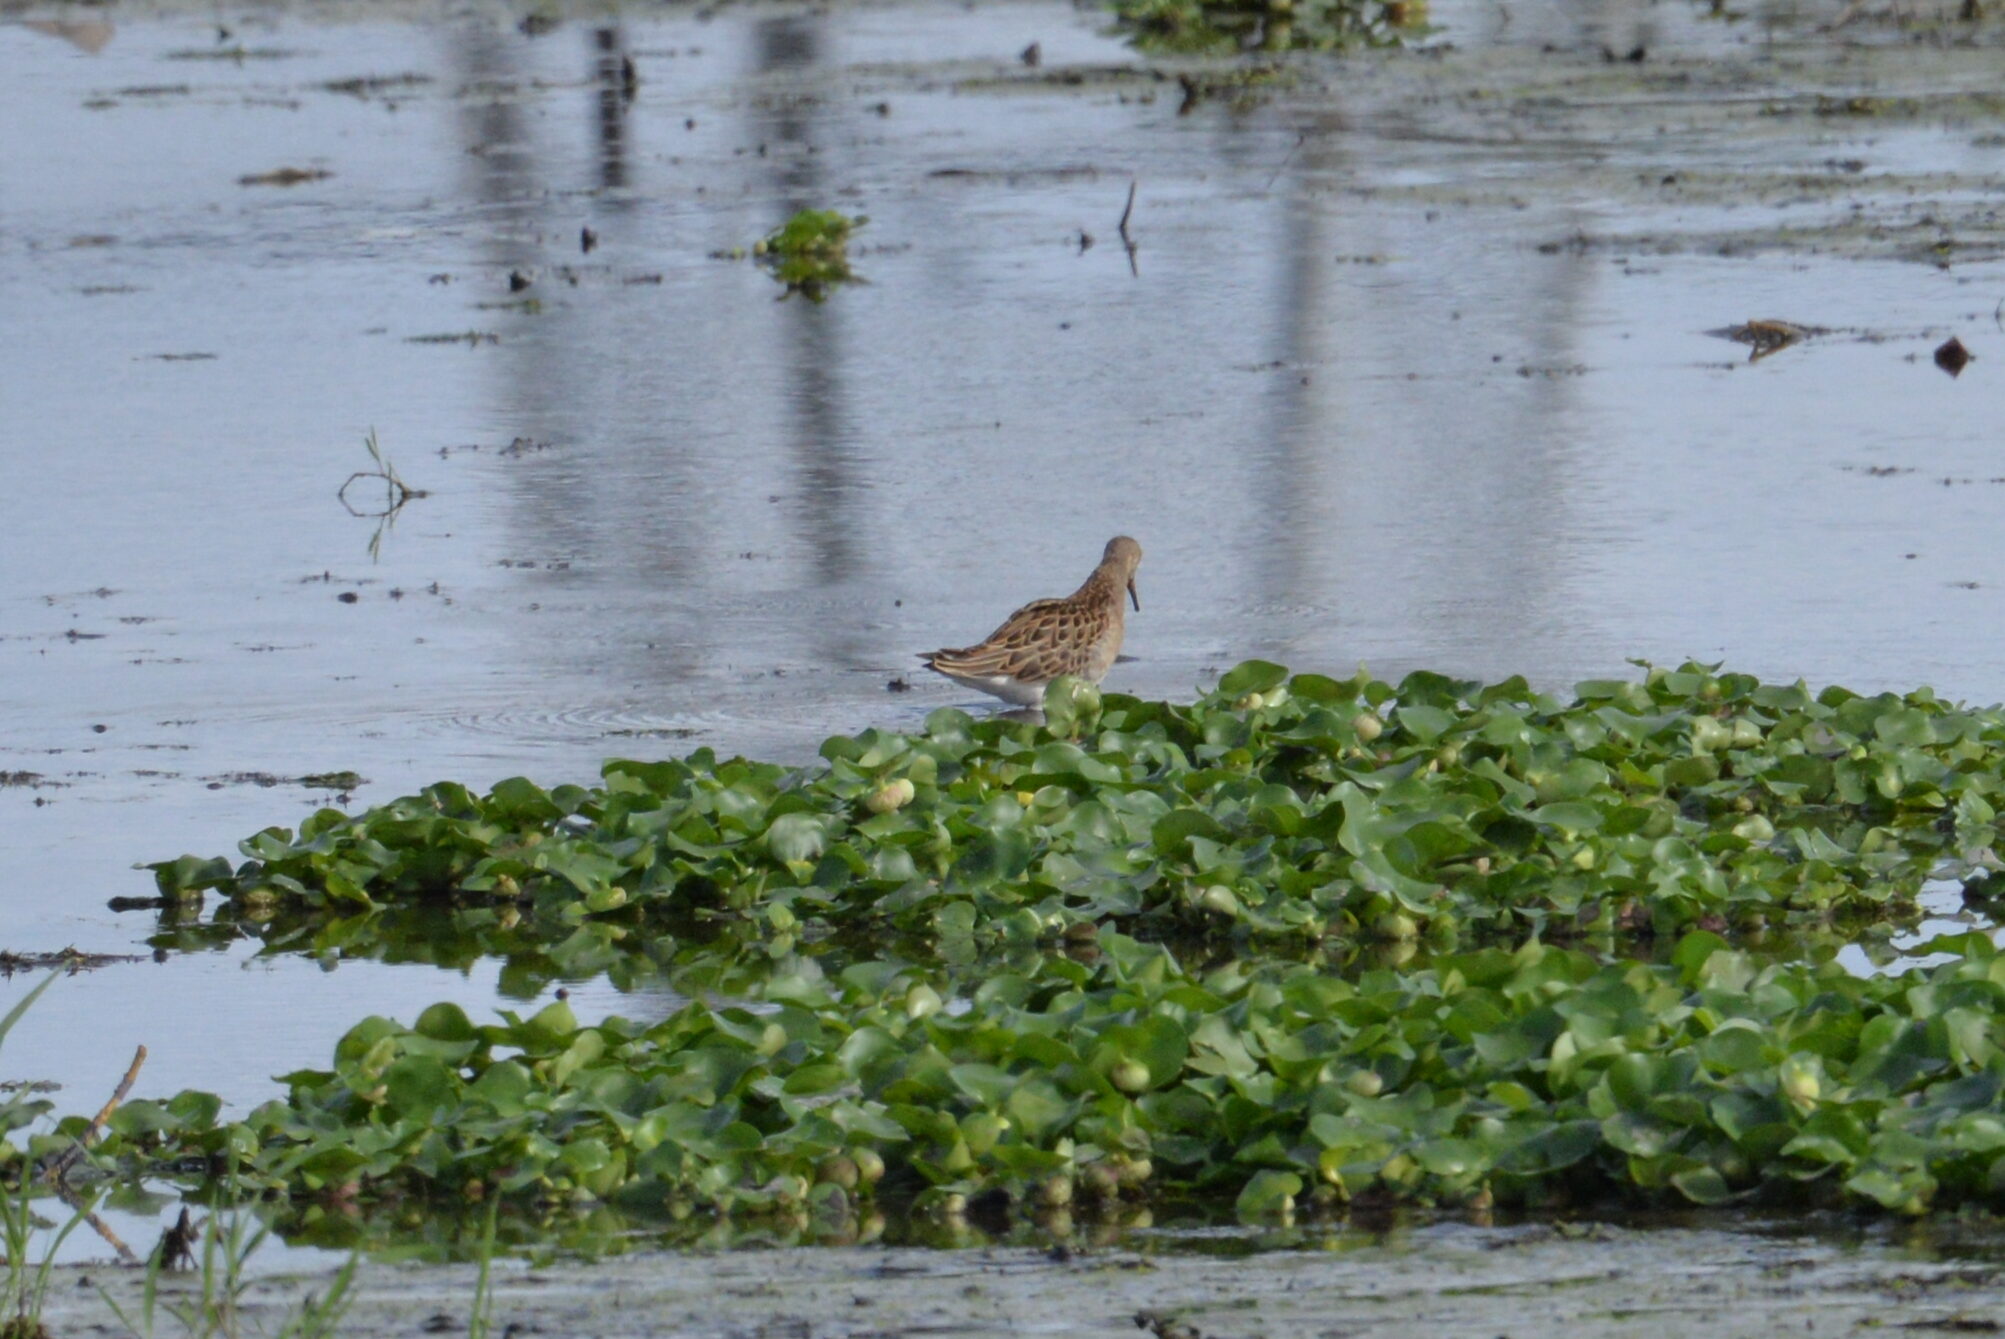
(1134,597)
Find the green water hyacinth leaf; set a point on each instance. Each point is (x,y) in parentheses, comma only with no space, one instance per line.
(191,874)
(1071,704)
(1252,676)
(1268,1193)
(796,838)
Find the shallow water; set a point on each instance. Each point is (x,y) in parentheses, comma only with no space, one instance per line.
(1589,1279)
(1411,369)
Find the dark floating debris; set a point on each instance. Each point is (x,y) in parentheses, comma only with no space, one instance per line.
(1952,357)
(517,281)
(898,684)
(587,240)
(71,960)
(339,781)
(177,1243)
(470,338)
(364,85)
(535,25)
(285,176)
(1032,55)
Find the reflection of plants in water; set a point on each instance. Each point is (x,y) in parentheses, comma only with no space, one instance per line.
(810,252)
(395,493)
(913,972)
(1216,26)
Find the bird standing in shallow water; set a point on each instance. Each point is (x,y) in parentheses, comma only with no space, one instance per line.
(1080,635)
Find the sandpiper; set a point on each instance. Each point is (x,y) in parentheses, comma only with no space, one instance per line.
(1080,634)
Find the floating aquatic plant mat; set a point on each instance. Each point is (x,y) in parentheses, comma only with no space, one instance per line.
(1294,807)
(1029,1039)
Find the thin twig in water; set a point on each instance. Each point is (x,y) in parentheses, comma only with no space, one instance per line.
(1127,242)
(1299,139)
(98,1225)
(59,1167)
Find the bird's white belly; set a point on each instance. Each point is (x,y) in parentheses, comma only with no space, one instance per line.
(1010,690)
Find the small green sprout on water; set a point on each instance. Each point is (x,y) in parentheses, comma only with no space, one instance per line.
(395,493)
(810,252)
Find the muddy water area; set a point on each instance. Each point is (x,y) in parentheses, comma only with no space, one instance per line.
(1407,360)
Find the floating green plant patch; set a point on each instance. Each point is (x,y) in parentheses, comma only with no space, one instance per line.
(810,252)
(1216,26)
(1276,807)
(1274,816)
(1507,1076)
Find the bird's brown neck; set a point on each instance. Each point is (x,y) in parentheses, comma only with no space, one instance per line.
(1104,585)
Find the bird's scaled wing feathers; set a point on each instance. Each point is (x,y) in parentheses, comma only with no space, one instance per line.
(1042,640)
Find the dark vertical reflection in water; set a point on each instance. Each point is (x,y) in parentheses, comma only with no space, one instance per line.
(1308,444)
(509,178)
(616,94)
(819,436)
(1506,591)
(1483,555)
(1616,26)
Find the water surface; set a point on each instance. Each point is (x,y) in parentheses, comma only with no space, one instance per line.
(1411,368)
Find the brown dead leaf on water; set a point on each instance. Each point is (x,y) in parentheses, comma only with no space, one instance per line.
(1766,337)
